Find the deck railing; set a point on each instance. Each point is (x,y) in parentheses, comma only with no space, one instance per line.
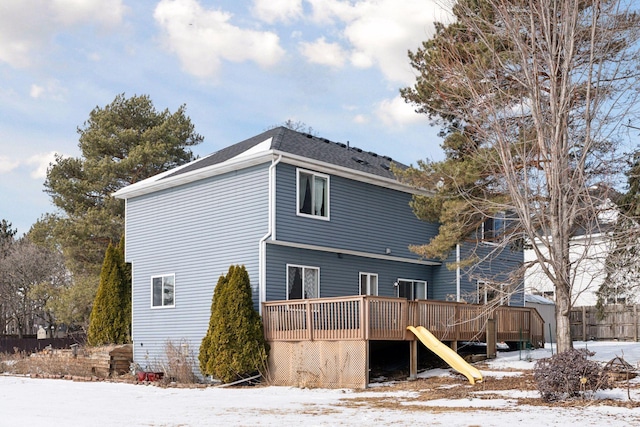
(380,318)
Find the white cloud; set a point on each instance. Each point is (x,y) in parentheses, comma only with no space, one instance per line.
(202,39)
(51,90)
(7,165)
(28,25)
(323,53)
(396,112)
(271,11)
(106,13)
(36,91)
(326,11)
(40,162)
(381,31)
(360,119)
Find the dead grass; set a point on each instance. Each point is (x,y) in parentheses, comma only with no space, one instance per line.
(179,363)
(456,388)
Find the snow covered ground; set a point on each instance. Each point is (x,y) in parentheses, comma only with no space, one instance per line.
(26,401)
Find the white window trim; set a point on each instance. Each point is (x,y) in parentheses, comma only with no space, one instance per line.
(505,299)
(321,175)
(413,281)
(493,240)
(369,275)
(160,307)
(303,267)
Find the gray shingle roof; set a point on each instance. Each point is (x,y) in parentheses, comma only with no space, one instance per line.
(304,145)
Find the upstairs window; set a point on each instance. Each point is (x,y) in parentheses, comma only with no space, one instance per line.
(162,290)
(303,282)
(313,194)
(368,284)
(493,228)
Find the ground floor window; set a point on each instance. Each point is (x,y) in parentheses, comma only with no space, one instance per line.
(303,282)
(493,293)
(411,289)
(162,290)
(368,284)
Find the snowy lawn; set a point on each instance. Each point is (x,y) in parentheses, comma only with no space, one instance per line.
(440,398)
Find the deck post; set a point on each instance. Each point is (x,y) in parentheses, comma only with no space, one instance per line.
(492,337)
(309,320)
(413,359)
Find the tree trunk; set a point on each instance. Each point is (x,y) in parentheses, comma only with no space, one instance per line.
(563,321)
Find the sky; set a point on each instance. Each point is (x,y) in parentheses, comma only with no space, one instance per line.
(240,67)
(27,401)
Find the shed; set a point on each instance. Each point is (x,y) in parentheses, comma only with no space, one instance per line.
(547,310)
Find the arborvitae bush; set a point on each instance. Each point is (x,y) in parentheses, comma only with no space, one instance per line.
(110,320)
(568,375)
(234,346)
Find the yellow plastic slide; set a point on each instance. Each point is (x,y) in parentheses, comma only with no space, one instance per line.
(447,354)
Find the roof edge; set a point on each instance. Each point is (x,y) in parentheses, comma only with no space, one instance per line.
(163,180)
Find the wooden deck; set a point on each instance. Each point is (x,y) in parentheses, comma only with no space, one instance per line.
(363,317)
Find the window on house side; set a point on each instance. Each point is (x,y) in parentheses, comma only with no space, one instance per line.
(492,293)
(368,284)
(163,290)
(303,282)
(493,228)
(313,194)
(412,289)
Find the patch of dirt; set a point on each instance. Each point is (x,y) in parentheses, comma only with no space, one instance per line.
(457,388)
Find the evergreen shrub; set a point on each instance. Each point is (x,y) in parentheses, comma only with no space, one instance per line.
(234,346)
(110,320)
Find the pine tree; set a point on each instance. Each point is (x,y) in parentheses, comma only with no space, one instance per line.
(234,345)
(110,319)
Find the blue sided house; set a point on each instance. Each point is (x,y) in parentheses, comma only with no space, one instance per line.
(323,229)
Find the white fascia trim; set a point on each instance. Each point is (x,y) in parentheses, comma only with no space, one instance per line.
(345,172)
(156,182)
(351,252)
(252,158)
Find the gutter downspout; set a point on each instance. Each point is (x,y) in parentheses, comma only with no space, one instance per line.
(458,272)
(271,232)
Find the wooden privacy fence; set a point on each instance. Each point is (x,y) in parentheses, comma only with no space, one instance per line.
(619,322)
(363,317)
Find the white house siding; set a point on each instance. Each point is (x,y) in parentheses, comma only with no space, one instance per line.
(588,255)
(195,231)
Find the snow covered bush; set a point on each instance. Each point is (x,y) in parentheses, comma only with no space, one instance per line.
(568,375)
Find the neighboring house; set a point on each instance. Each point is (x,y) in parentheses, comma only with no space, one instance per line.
(309,218)
(588,254)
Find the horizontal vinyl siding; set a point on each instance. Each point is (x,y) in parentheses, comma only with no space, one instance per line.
(444,281)
(496,267)
(339,276)
(363,217)
(196,232)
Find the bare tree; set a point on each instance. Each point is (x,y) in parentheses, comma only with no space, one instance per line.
(29,276)
(534,93)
